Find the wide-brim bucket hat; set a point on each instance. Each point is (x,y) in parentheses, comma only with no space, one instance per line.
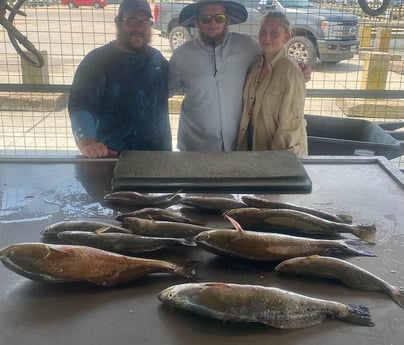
(237,12)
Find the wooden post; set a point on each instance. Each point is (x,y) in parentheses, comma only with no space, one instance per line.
(382,41)
(365,36)
(375,69)
(35,75)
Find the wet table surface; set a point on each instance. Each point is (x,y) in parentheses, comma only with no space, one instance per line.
(36,194)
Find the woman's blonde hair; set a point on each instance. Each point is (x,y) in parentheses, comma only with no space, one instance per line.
(282,18)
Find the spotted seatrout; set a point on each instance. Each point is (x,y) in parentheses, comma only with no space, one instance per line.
(299,222)
(135,199)
(350,274)
(254,201)
(122,243)
(212,203)
(68,263)
(261,246)
(155,213)
(147,227)
(81,225)
(253,303)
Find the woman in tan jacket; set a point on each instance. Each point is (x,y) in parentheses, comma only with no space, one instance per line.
(274,94)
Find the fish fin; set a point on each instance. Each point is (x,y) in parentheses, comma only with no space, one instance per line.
(357,314)
(188,270)
(189,242)
(235,223)
(366,232)
(397,294)
(345,218)
(355,247)
(175,194)
(102,230)
(219,285)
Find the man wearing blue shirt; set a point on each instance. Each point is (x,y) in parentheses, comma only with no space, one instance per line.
(119,96)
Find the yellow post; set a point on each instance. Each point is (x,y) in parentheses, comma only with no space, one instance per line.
(375,70)
(382,41)
(34,75)
(365,36)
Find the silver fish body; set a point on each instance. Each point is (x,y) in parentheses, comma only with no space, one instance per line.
(68,263)
(261,246)
(81,225)
(299,222)
(350,274)
(121,243)
(253,303)
(254,201)
(135,199)
(155,213)
(146,227)
(213,204)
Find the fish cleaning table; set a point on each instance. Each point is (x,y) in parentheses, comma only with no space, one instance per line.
(36,193)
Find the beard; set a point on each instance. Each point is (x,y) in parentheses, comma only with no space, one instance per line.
(212,41)
(125,40)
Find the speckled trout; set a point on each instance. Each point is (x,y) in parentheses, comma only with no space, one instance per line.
(68,263)
(154,213)
(122,243)
(299,222)
(350,274)
(147,227)
(212,203)
(254,201)
(81,225)
(135,199)
(253,303)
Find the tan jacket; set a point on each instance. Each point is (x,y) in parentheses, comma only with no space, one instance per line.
(277,103)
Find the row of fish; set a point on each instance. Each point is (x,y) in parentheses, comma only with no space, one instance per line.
(144,235)
(89,256)
(252,212)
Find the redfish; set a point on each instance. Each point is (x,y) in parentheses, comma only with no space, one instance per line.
(68,263)
(253,303)
(261,246)
(348,273)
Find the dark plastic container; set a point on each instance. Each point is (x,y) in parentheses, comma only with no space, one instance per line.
(334,136)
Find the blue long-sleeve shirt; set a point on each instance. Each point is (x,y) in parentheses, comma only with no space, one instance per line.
(121,99)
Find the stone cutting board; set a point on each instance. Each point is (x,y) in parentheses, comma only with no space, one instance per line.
(159,171)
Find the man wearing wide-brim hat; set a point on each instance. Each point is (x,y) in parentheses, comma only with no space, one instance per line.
(210,71)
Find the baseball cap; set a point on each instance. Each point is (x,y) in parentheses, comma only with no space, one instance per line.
(127,6)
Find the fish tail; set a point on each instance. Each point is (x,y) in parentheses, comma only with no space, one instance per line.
(187,270)
(397,294)
(366,232)
(356,248)
(358,314)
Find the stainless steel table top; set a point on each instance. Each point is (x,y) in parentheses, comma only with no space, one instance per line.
(36,194)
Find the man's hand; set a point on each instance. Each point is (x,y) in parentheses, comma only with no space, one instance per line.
(306,69)
(93,149)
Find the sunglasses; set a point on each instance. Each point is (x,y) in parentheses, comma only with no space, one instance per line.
(208,18)
(135,22)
